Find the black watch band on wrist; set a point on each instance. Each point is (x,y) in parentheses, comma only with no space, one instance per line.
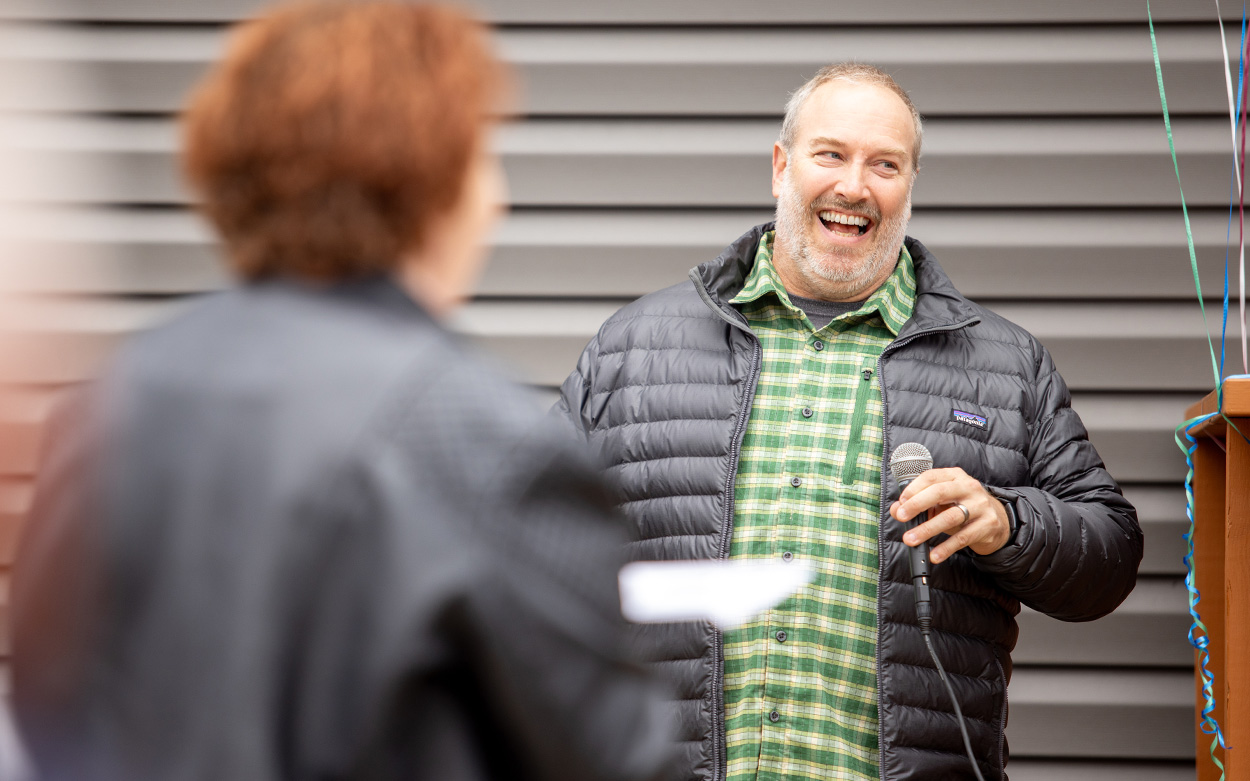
(1012,520)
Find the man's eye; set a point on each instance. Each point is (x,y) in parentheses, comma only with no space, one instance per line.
(833,155)
(889,165)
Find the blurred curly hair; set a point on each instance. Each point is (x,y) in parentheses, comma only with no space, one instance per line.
(333,134)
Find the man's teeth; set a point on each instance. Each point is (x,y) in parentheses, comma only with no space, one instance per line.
(845,219)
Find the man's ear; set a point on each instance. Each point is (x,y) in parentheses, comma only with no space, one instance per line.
(780,161)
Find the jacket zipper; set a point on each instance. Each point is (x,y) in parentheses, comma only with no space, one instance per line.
(850,468)
(744,410)
(718,682)
(1002,722)
(889,348)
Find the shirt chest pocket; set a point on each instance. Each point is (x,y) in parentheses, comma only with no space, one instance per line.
(860,420)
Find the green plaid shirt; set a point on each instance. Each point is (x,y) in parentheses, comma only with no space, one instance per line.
(801,682)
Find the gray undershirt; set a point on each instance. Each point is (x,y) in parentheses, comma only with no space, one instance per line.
(821,313)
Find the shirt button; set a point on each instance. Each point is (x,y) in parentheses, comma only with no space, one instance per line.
(781,635)
(796,481)
(787,556)
(807,412)
(818,345)
(774,717)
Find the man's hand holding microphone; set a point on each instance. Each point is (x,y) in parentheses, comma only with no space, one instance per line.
(969,514)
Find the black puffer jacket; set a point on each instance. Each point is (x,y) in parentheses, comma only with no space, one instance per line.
(664,393)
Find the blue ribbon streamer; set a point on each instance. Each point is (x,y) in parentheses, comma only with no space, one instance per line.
(1198,635)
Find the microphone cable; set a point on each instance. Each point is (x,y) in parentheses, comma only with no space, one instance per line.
(963,728)
(907,462)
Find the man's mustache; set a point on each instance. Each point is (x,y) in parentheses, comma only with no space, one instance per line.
(846,207)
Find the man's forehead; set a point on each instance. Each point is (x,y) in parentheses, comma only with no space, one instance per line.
(841,103)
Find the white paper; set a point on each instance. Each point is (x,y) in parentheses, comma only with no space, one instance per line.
(727,593)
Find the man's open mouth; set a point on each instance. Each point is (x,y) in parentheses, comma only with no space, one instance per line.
(845,224)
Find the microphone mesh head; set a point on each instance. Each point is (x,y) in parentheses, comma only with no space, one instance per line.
(910,459)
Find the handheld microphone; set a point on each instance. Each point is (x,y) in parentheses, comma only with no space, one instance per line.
(907,462)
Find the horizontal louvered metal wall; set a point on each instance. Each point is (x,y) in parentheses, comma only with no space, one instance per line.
(642,149)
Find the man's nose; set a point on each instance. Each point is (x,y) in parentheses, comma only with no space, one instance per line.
(851,185)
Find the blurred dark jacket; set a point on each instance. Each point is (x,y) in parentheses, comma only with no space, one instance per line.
(298,533)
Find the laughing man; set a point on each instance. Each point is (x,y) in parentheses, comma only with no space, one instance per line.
(747,414)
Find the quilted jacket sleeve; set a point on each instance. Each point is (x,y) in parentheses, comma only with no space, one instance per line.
(1078,545)
(573,408)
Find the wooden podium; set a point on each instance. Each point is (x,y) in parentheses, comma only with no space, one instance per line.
(1222,562)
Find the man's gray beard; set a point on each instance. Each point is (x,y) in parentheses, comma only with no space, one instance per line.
(843,281)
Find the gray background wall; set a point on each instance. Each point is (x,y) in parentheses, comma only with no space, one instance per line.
(642,149)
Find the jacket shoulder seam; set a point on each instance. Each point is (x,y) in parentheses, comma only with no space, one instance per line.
(670,496)
(615,388)
(662,349)
(672,537)
(628,423)
(616,319)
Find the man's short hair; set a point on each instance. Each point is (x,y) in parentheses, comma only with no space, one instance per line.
(855,73)
(333,134)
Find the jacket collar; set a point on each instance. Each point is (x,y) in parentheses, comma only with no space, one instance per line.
(938,304)
(380,292)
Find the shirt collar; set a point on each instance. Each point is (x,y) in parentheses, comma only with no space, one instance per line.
(892,302)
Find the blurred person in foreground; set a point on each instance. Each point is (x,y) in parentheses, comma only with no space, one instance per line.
(298,532)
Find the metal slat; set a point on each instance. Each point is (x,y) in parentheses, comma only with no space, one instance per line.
(654,12)
(57,341)
(67,341)
(102,69)
(997,71)
(988,163)
(89,160)
(683,72)
(1101,713)
(1097,346)
(1133,433)
(989,253)
(542,342)
(1038,770)
(59,250)
(968,163)
(1075,254)
(1148,630)
(1110,345)
(1161,512)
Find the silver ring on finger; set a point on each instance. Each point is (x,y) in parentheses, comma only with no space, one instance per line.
(964,510)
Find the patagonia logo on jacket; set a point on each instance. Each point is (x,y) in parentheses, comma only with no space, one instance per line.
(970,419)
